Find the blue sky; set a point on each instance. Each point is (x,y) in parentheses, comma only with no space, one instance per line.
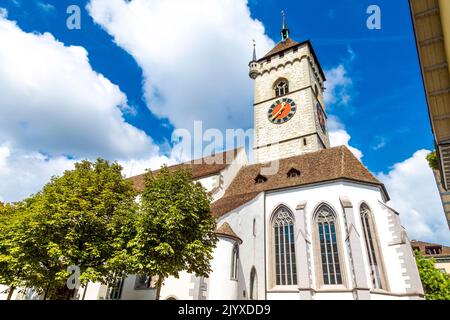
(152,62)
(386,117)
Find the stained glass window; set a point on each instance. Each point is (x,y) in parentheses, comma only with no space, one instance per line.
(142,281)
(285,266)
(114,291)
(329,252)
(371,247)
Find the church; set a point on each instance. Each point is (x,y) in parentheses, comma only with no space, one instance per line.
(304,221)
(313,226)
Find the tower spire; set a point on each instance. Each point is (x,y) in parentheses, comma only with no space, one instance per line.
(284,29)
(253,64)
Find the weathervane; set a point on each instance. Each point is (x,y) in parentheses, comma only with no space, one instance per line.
(284,30)
(254,50)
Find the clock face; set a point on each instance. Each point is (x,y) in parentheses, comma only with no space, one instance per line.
(321,118)
(281,111)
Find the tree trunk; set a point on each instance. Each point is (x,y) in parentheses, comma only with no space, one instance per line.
(46,291)
(10,292)
(85,289)
(158,287)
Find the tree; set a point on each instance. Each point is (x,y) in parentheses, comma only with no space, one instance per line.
(433,160)
(174,229)
(10,274)
(84,218)
(436,284)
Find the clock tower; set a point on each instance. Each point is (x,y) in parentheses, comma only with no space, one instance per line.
(289,113)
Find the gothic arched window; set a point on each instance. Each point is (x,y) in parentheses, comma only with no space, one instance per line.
(284,248)
(235,262)
(330,264)
(253,285)
(372,248)
(281,87)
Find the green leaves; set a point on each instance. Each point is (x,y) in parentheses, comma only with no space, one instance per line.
(88,218)
(436,284)
(174,229)
(433,160)
(83,218)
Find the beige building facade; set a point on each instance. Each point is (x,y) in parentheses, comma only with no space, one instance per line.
(440,253)
(294,64)
(431,22)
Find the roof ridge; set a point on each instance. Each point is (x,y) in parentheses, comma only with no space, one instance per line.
(211,156)
(281,46)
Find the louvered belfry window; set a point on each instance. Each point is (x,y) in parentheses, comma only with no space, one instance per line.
(281,88)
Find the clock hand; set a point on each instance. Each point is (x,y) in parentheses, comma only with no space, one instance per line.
(283,105)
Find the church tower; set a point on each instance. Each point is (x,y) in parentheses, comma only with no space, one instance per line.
(289,112)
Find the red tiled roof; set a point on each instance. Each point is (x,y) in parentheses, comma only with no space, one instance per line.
(325,165)
(225,230)
(281,46)
(422,246)
(201,167)
(288,44)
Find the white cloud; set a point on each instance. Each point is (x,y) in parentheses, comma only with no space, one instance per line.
(194,55)
(339,136)
(52,100)
(23,173)
(337,93)
(414,194)
(135,167)
(338,84)
(4,154)
(46,7)
(380,142)
(55,110)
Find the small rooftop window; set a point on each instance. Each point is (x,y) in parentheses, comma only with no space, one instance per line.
(260,179)
(293,173)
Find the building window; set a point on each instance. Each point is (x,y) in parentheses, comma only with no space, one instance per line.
(282,55)
(433,250)
(330,265)
(235,262)
(281,87)
(293,173)
(253,285)
(260,179)
(114,291)
(254,227)
(295,49)
(372,248)
(143,281)
(283,235)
